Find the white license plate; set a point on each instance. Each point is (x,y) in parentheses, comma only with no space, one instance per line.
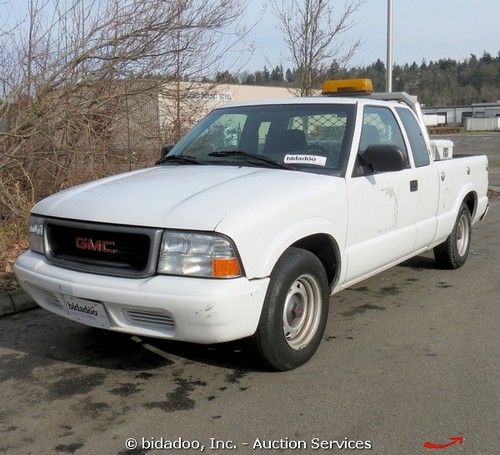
(87,312)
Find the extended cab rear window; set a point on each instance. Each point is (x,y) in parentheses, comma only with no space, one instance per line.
(414,133)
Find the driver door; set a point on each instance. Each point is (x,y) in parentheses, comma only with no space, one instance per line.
(380,206)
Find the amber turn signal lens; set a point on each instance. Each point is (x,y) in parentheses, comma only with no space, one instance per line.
(225,267)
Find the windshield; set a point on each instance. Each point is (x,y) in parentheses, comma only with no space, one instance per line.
(313,137)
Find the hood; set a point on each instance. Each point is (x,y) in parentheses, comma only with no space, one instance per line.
(178,197)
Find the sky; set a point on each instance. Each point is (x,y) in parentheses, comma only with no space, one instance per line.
(430,29)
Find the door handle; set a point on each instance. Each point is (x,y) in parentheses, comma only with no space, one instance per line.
(413,185)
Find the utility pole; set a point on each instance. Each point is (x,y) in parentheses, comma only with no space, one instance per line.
(388,63)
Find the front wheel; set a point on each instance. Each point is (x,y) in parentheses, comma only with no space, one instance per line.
(453,252)
(295,311)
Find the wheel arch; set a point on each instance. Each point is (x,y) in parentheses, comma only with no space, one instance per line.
(470,200)
(468,195)
(327,250)
(320,236)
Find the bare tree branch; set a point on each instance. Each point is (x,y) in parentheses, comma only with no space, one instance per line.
(312,31)
(76,76)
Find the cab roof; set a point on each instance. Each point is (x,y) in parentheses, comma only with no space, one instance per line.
(345,91)
(322,99)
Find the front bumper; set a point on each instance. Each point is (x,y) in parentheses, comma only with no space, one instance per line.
(189,309)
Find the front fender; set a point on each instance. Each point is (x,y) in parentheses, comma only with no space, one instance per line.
(296,232)
(263,229)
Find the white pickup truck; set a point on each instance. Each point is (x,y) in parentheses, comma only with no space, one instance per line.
(252,220)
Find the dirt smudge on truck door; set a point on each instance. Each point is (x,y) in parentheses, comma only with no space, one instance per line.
(390,193)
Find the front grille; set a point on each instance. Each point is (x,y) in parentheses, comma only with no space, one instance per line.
(101,248)
(92,246)
(150,317)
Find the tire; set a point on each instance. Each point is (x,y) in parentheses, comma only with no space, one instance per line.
(296,302)
(453,252)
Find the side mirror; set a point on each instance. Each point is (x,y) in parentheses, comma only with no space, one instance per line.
(165,150)
(383,158)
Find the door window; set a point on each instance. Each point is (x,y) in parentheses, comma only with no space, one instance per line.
(379,128)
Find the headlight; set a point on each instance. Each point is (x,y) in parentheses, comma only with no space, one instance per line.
(203,255)
(35,234)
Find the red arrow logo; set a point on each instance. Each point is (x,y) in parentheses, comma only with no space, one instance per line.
(453,441)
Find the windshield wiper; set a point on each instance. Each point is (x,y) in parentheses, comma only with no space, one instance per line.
(182,159)
(242,153)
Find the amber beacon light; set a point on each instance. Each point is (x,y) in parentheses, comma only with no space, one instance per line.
(345,86)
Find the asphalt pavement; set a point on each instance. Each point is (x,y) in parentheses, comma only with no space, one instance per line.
(409,356)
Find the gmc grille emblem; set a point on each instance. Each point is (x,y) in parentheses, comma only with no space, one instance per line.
(102,246)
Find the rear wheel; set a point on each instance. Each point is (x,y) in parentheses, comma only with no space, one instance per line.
(295,311)
(453,252)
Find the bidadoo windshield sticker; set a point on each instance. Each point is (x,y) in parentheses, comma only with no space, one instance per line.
(306,159)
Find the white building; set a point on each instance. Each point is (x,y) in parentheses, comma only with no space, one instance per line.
(154,107)
(456,115)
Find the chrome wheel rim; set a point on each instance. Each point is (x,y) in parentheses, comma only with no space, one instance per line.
(302,311)
(462,235)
